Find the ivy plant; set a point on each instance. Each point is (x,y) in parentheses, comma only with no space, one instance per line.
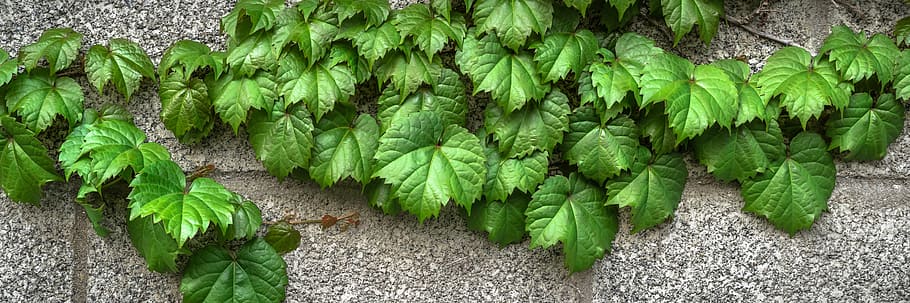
(578,122)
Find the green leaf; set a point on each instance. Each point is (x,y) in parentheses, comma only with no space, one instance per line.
(9,67)
(447,98)
(902,31)
(38,98)
(282,137)
(652,189)
(254,273)
(59,46)
(866,127)
(234,95)
(376,42)
(513,20)
(655,127)
(408,71)
(191,55)
(24,164)
(113,146)
(571,211)
(538,126)
(380,196)
(600,149)
(618,75)
(442,7)
(511,78)
(251,16)
(428,164)
(375,11)
(320,86)
(794,192)
(344,148)
(252,54)
(430,32)
(159,250)
(581,5)
(71,157)
(503,221)
(505,175)
(741,153)
(804,85)
(161,190)
(312,35)
(621,6)
(186,109)
(682,15)
(560,53)
(858,57)
(902,76)
(283,237)
(751,105)
(245,221)
(696,96)
(124,64)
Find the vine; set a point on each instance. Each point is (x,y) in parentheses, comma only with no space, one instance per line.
(580,121)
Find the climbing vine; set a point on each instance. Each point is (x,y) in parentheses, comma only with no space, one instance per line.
(580,121)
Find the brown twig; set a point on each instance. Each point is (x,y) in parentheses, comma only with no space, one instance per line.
(348,219)
(758,9)
(756,32)
(850,7)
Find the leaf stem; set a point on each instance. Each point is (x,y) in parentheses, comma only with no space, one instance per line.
(756,32)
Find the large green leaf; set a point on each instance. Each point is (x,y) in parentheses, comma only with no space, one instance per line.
(246,220)
(375,11)
(123,63)
(503,221)
(251,16)
(804,85)
(429,31)
(38,98)
(282,137)
(794,192)
(741,153)
(538,126)
(59,46)
(254,273)
(513,20)
(320,86)
(902,76)
(115,145)
(408,71)
(618,75)
(751,105)
(313,36)
(190,55)
(8,68)
(447,98)
(344,147)
(72,157)
(159,250)
(186,109)
(696,97)
(560,53)
(652,189)
(234,95)
(600,149)
(24,164)
(376,42)
(682,15)
(505,175)
(572,211)
(511,78)
(866,127)
(429,163)
(252,54)
(161,190)
(858,57)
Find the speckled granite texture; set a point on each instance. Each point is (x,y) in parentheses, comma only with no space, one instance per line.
(711,251)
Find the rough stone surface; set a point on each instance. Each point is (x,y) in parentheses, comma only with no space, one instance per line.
(36,248)
(711,251)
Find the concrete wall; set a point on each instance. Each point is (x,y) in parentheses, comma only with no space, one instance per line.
(711,251)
